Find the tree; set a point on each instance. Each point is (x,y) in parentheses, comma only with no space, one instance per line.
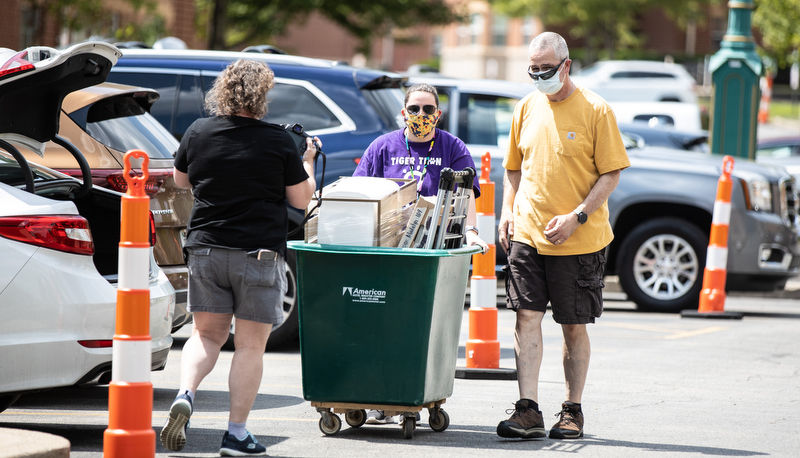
(232,23)
(92,17)
(603,24)
(778,22)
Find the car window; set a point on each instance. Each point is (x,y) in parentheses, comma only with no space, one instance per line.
(444,105)
(588,70)
(11,172)
(775,151)
(122,124)
(485,119)
(640,74)
(290,103)
(655,120)
(629,141)
(166,85)
(190,104)
(387,102)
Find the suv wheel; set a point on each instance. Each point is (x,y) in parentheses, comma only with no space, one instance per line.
(286,332)
(6,400)
(661,264)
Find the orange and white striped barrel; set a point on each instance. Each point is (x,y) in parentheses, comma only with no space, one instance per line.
(130,395)
(483,348)
(712,297)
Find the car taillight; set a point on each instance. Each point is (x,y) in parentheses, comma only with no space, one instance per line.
(115,179)
(15,65)
(68,233)
(151,186)
(152,229)
(357,160)
(96,343)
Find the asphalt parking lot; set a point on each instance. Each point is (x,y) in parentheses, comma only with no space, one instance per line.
(659,385)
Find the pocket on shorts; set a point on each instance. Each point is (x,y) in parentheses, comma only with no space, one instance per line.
(200,264)
(510,304)
(589,285)
(261,273)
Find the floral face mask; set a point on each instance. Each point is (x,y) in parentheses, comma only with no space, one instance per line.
(421,124)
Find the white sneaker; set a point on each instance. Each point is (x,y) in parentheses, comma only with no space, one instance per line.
(376,417)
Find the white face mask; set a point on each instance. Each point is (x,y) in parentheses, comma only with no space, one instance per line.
(550,86)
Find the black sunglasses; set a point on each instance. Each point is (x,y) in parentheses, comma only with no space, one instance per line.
(428,109)
(545,75)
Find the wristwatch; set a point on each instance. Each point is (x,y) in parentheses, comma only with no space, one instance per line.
(473,229)
(582,217)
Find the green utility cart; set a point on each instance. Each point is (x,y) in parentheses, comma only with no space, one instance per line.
(379,330)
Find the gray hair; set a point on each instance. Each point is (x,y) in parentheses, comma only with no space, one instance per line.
(550,40)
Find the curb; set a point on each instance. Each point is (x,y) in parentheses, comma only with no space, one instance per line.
(790,291)
(20,443)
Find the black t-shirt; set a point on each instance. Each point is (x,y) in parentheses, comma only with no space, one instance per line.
(239,169)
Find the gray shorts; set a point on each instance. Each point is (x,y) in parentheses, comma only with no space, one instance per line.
(233,281)
(573,285)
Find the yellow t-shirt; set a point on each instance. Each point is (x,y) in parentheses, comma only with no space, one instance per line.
(562,148)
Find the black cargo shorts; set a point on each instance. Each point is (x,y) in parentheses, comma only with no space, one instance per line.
(573,285)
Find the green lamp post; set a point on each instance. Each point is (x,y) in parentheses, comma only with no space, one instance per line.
(735,72)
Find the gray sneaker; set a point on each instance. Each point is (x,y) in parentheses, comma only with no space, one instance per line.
(526,421)
(173,435)
(376,417)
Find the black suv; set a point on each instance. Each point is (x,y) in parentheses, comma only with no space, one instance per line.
(346,107)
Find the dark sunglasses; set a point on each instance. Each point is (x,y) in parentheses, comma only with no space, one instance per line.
(428,109)
(545,75)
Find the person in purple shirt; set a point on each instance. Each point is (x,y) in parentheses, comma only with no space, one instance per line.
(420,151)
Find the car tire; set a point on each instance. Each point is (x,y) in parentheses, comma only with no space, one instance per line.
(660,264)
(286,332)
(7,400)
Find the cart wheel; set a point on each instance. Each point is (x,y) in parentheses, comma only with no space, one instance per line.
(332,426)
(439,420)
(356,418)
(409,423)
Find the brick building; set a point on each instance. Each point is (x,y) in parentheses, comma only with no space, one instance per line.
(488,45)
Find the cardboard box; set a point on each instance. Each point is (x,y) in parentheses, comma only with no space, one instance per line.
(356,217)
(418,223)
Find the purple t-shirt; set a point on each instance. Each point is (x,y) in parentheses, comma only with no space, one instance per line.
(388,157)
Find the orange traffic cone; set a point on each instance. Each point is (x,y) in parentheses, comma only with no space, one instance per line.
(130,395)
(712,297)
(482,350)
(766,97)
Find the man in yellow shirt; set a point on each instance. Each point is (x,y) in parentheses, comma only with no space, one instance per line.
(564,158)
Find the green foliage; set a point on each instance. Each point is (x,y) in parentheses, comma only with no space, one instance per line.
(257,21)
(778,21)
(434,63)
(606,26)
(92,17)
(784,109)
(73,14)
(148,30)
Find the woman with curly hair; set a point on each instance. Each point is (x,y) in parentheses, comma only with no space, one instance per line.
(242,172)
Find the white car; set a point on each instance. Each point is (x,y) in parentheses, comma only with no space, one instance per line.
(676,115)
(59,239)
(638,81)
